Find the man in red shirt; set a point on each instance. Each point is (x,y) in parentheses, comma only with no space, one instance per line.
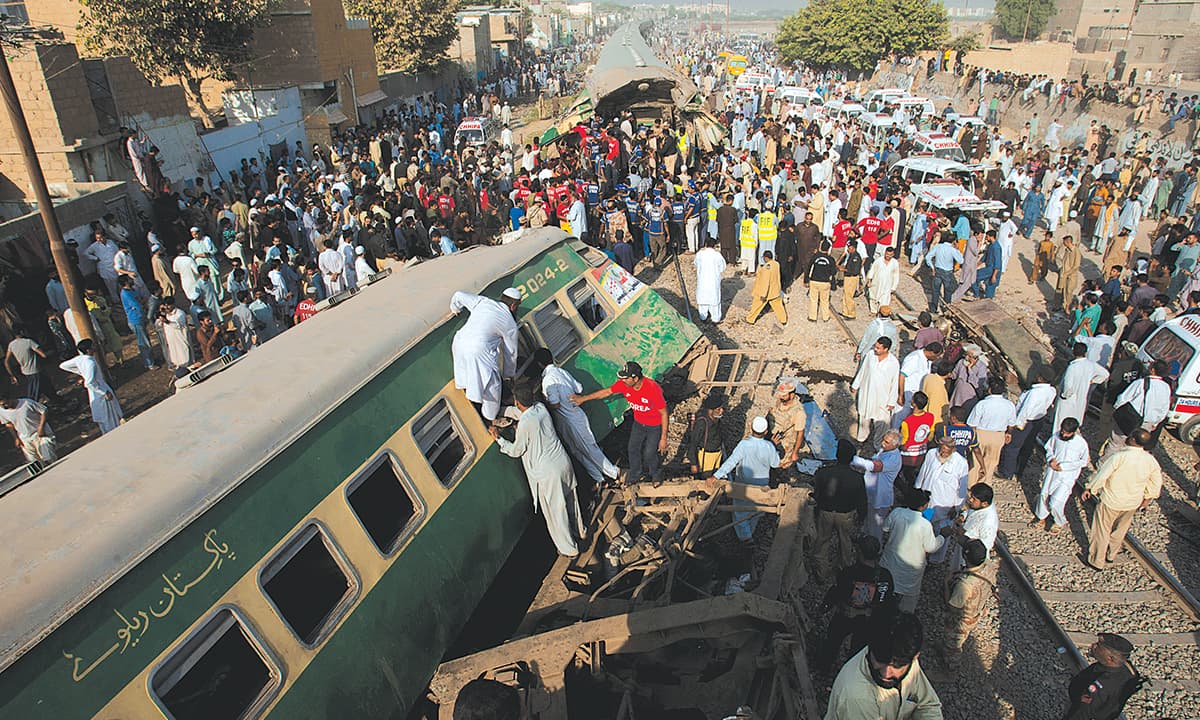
(868,230)
(648,436)
(841,230)
(307,307)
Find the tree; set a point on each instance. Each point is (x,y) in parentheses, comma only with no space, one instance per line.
(854,34)
(965,43)
(1012,15)
(193,40)
(409,34)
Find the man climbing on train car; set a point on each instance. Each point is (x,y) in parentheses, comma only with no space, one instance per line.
(477,347)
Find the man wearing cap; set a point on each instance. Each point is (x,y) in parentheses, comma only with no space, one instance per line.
(752,459)
(788,420)
(705,444)
(485,347)
(648,436)
(1099,691)
(965,591)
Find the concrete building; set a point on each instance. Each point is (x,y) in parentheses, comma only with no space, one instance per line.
(312,45)
(505,26)
(74,108)
(1163,37)
(1097,21)
(472,49)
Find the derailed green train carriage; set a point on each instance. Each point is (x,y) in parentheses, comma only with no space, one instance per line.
(305,533)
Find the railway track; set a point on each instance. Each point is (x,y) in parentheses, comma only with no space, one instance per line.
(1138,597)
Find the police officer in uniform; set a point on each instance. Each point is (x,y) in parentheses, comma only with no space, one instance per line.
(1099,691)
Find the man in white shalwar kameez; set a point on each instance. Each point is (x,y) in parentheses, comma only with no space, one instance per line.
(478,362)
(548,469)
(876,386)
(1067,455)
(883,278)
(710,264)
(332,265)
(910,540)
(558,386)
(943,474)
(175,331)
(346,248)
(106,410)
(1076,385)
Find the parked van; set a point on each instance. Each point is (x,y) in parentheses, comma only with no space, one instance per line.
(475,132)
(1177,342)
(842,110)
(915,106)
(938,145)
(876,126)
(945,195)
(916,169)
(876,99)
(798,100)
(755,81)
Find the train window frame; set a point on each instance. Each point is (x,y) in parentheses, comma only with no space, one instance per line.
(470,450)
(558,353)
(589,290)
(287,551)
(420,509)
(526,332)
(200,639)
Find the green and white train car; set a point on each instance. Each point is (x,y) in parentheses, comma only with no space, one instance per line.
(304,534)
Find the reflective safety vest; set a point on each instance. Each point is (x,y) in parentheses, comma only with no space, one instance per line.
(767,230)
(713,205)
(749,234)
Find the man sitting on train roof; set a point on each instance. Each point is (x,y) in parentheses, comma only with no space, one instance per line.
(491,329)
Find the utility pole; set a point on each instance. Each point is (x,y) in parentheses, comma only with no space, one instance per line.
(1028,12)
(67,272)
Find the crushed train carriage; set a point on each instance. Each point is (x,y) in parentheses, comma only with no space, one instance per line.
(306,532)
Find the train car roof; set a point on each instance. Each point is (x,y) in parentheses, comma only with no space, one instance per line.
(74,524)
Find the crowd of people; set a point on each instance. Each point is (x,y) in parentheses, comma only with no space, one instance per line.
(786,198)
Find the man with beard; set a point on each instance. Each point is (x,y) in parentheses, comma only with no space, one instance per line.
(885,678)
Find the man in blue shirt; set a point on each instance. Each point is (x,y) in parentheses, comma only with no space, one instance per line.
(135,315)
(987,277)
(942,259)
(753,459)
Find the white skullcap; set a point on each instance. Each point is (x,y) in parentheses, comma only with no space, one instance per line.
(759,424)
(195,229)
(360,250)
(512,293)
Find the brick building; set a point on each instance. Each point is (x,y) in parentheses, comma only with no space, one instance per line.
(472,49)
(311,44)
(74,108)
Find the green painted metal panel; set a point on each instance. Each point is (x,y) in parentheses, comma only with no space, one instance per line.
(395,638)
(454,558)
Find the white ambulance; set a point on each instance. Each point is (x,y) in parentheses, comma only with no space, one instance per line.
(1177,341)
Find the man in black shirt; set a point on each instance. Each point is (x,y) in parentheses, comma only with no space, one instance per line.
(705,444)
(841,499)
(862,591)
(819,279)
(1099,691)
(851,266)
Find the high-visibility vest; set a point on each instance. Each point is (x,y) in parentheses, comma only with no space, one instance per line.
(749,234)
(767,230)
(713,204)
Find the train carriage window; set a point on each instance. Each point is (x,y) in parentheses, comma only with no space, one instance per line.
(557,330)
(442,442)
(589,306)
(219,672)
(309,583)
(383,503)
